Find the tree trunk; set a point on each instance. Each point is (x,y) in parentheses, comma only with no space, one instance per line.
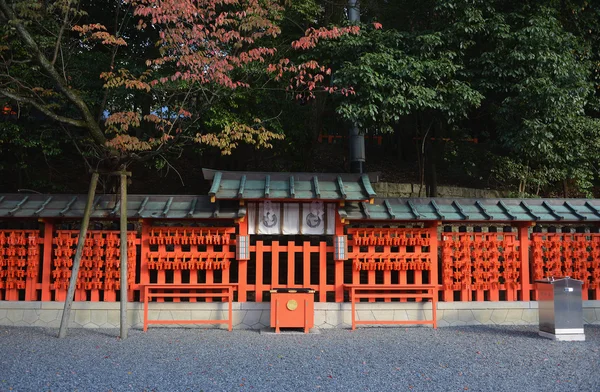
(435,150)
(64,322)
(432,173)
(123,281)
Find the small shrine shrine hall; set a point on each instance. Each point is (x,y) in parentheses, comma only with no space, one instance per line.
(356,258)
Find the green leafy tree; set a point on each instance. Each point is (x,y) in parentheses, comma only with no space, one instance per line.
(538,79)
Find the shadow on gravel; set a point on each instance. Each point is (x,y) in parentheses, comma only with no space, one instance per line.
(514,331)
(71,333)
(525,331)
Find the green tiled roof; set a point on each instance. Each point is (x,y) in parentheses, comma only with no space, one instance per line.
(476,210)
(393,209)
(290,186)
(108,206)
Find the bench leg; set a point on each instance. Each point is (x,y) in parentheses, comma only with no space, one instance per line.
(230,298)
(353,308)
(145,309)
(434,308)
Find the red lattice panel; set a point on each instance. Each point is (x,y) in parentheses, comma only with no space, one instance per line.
(19,263)
(100,263)
(480,262)
(567,254)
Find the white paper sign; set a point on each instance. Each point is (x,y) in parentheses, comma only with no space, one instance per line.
(313,218)
(269,218)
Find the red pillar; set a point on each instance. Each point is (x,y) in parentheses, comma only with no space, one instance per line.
(46,269)
(339,265)
(242,264)
(526,285)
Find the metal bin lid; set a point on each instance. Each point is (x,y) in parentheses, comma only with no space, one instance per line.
(563,280)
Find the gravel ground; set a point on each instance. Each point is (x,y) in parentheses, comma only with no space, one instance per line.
(481,358)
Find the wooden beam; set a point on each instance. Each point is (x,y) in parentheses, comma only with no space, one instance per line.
(69,205)
(242,187)
(315,180)
(483,210)
(340,184)
(591,207)
(366,183)
(18,206)
(116,209)
(365,208)
(552,210)
(292,189)
(39,210)
(142,206)
(529,211)
(460,209)
(574,211)
(267,185)
(192,207)
(167,207)
(437,210)
(413,209)
(506,210)
(389,209)
(96,202)
(215,186)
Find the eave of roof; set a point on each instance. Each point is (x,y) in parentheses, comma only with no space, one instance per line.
(476,210)
(290,186)
(108,207)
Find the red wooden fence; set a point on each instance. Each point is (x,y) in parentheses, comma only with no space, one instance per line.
(466,266)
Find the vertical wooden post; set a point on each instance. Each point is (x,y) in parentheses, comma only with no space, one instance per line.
(259,271)
(526,285)
(46,270)
(306,252)
(323,271)
(339,265)
(274,264)
(31,286)
(291,263)
(144,249)
(64,322)
(417,274)
(242,264)
(123,250)
(447,294)
(434,251)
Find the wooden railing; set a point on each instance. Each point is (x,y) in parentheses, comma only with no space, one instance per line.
(479,265)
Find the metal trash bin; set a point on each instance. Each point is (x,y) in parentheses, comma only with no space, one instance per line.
(292,308)
(560,308)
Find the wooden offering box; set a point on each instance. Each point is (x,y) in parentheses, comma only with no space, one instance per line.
(292,308)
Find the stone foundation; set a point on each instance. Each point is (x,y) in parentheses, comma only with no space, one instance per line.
(252,315)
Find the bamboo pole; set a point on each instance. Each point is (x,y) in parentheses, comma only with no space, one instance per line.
(64,322)
(123,283)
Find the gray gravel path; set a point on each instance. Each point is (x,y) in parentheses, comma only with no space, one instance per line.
(481,358)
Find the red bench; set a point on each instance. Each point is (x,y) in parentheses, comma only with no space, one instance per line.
(224,291)
(413,291)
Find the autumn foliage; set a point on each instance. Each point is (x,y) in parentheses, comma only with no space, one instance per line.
(207,44)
